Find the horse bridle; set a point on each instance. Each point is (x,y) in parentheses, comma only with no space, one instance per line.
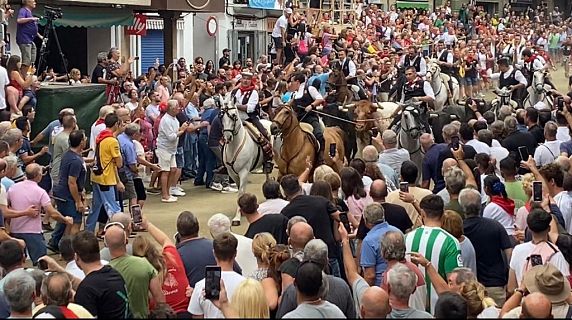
(281,125)
(233,117)
(432,73)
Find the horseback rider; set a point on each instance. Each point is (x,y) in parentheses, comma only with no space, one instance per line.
(307,98)
(349,69)
(414,59)
(416,89)
(533,63)
(445,61)
(511,78)
(247,104)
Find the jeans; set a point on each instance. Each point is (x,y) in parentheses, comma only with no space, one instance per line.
(101,199)
(67,209)
(334,265)
(34,244)
(191,153)
(207,161)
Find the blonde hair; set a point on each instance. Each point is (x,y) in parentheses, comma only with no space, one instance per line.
(333,179)
(143,247)
(321,171)
(249,300)
(452,223)
(527,180)
(476,297)
(262,245)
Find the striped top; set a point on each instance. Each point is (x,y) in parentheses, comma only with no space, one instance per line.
(439,247)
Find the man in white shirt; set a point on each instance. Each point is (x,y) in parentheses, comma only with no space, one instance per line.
(96,128)
(414,59)
(391,155)
(274,202)
(497,152)
(468,135)
(563,132)
(167,139)
(4,80)
(510,78)
(225,249)
(554,178)
(550,150)
(279,34)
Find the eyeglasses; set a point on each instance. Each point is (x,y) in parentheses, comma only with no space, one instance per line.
(111,224)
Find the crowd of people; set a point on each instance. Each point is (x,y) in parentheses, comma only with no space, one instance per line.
(481,229)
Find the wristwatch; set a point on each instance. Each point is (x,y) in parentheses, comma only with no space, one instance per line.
(519,291)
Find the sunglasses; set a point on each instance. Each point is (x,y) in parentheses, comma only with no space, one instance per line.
(111,224)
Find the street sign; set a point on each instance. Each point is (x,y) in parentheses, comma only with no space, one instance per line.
(212,26)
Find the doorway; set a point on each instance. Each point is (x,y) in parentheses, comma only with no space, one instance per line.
(246,45)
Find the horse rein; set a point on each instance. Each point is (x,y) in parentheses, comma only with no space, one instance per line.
(234,118)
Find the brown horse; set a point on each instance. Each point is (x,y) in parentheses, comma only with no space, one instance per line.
(337,79)
(299,144)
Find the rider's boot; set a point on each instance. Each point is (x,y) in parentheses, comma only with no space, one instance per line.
(267,165)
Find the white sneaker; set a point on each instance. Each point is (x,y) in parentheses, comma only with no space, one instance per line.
(229,189)
(233,185)
(176,192)
(216,186)
(179,188)
(170,200)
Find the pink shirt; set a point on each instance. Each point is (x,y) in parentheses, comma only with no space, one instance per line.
(21,196)
(357,206)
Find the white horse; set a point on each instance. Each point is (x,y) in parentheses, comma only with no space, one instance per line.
(241,154)
(440,84)
(537,91)
(409,132)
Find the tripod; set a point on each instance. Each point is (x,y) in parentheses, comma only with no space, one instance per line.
(45,50)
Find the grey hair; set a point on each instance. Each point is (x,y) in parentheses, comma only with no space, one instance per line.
(510,124)
(172,104)
(12,136)
(11,161)
(393,246)
(402,281)
(5,126)
(218,224)
(293,221)
(131,129)
(464,275)
(455,180)
(102,56)
(470,201)
(550,129)
(19,290)
(317,250)
(374,213)
(58,294)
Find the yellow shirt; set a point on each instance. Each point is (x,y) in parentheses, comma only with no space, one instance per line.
(418,194)
(79,311)
(108,150)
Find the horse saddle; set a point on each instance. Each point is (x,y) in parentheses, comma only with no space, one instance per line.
(257,136)
(307,129)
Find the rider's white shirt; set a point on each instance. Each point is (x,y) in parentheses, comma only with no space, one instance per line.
(314,93)
(422,64)
(517,75)
(250,105)
(538,64)
(449,56)
(351,66)
(426,88)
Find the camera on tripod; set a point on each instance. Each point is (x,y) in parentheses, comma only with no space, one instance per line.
(52,13)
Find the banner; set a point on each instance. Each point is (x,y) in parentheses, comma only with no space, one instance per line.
(266,4)
(139,27)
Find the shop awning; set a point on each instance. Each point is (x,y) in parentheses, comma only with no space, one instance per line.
(412,4)
(93,17)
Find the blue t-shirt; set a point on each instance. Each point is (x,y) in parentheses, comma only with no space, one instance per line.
(26,32)
(209,115)
(7,182)
(128,153)
(26,148)
(72,166)
(566,147)
(431,166)
(30,94)
(371,250)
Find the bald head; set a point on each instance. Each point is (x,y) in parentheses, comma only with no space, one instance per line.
(448,164)
(179,97)
(536,306)
(300,234)
(124,115)
(370,154)
(427,141)
(33,172)
(115,239)
(378,190)
(564,163)
(374,303)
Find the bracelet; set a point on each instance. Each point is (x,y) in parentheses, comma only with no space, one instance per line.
(427,265)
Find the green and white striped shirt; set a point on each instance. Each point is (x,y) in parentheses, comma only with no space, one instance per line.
(439,247)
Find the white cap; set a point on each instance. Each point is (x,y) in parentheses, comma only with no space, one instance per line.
(288,10)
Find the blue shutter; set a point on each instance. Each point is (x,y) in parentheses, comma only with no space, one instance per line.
(151,49)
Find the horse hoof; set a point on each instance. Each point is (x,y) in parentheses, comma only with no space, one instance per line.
(235,223)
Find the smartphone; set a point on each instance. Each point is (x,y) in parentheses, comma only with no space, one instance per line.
(43,265)
(212,282)
(404,187)
(136,214)
(345,221)
(455,143)
(523,152)
(135,58)
(537,191)
(332,150)
(374,132)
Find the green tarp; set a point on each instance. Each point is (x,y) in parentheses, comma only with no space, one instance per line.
(96,18)
(85,99)
(412,4)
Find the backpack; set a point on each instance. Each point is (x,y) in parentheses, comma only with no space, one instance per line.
(540,255)
(97,168)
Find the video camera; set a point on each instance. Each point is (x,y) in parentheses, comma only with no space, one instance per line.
(52,13)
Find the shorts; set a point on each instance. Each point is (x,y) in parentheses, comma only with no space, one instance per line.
(67,209)
(180,158)
(129,192)
(471,81)
(28,53)
(165,160)
(277,42)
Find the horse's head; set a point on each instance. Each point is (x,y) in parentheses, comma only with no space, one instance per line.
(538,81)
(410,122)
(230,121)
(433,70)
(284,119)
(336,78)
(364,112)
